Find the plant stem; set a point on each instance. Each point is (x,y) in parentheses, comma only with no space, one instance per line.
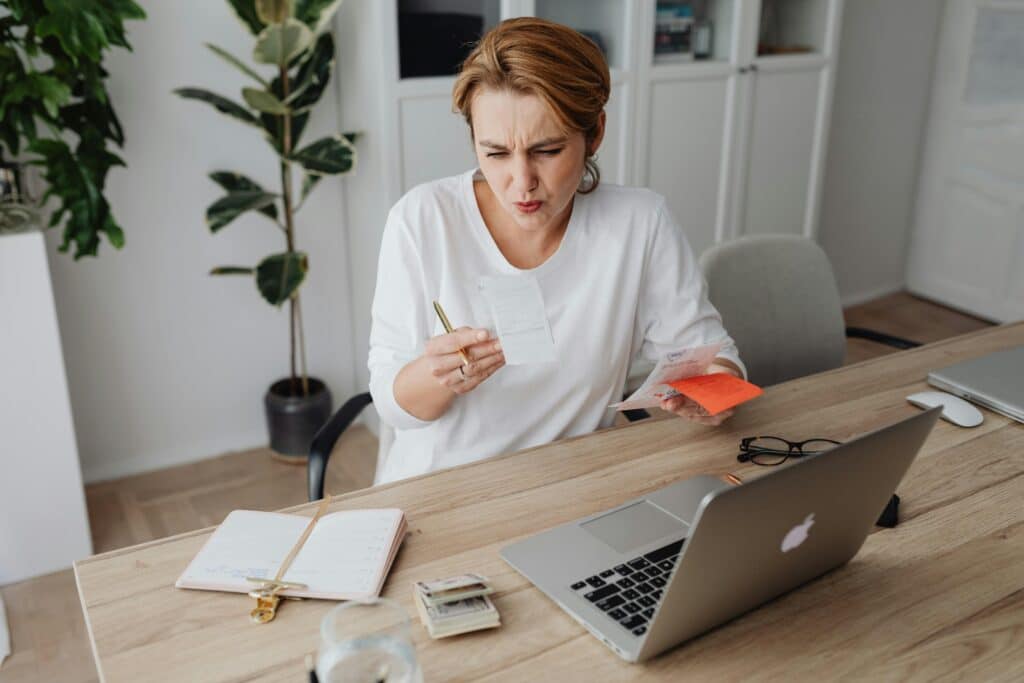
(286,186)
(302,347)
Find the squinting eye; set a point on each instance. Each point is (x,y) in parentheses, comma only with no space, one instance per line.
(492,155)
(550,152)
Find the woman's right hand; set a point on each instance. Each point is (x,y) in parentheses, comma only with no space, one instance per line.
(446,365)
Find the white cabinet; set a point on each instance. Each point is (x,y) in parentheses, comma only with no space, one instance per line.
(735,140)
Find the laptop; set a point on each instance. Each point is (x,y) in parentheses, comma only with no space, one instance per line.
(659,570)
(995,381)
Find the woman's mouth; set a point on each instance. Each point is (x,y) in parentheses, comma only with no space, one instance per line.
(528,207)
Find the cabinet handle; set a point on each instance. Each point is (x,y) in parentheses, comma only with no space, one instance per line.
(753,67)
(743,70)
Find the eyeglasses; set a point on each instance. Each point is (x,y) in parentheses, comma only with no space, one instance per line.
(773,450)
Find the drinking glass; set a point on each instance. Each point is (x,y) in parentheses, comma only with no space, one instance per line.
(367,642)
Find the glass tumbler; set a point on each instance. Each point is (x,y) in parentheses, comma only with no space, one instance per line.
(367,642)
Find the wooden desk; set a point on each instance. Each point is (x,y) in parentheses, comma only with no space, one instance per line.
(942,593)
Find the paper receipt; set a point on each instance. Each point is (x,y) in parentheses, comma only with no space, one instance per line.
(517,307)
(673,366)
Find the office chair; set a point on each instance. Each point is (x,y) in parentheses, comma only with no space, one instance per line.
(328,435)
(779,301)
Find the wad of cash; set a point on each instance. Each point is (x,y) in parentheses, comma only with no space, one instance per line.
(455,605)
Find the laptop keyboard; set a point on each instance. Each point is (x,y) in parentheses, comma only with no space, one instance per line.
(630,592)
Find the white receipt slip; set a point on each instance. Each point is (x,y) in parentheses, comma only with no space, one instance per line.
(673,366)
(517,306)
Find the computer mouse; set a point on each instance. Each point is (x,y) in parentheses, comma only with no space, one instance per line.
(954,409)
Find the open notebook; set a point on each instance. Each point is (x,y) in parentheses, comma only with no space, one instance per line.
(346,557)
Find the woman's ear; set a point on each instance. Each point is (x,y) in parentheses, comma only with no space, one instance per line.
(595,142)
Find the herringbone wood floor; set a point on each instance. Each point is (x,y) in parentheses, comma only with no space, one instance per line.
(49,640)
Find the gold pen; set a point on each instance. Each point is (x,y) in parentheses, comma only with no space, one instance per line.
(448,328)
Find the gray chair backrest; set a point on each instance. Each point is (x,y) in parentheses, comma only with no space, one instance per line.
(779,302)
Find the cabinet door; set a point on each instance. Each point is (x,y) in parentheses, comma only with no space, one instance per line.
(435,143)
(781,151)
(684,152)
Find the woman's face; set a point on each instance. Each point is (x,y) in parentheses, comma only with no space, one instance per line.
(532,166)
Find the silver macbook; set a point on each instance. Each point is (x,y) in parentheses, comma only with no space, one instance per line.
(995,381)
(658,570)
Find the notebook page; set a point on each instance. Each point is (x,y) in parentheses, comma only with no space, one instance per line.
(247,543)
(347,552)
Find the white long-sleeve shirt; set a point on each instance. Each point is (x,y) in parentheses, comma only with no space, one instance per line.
(623,282)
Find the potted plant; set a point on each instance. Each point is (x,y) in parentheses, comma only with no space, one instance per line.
(55,106)
(292,40)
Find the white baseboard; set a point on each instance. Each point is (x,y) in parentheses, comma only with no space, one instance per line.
(105,470)
(857,298)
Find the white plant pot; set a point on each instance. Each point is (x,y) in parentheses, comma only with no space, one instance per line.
(44,526)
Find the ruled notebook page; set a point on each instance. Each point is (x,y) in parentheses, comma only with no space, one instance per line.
(347,552)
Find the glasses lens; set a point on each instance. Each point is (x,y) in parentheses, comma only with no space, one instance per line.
(817,446)
(768,451)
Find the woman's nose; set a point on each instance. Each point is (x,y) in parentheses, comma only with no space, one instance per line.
(524,177)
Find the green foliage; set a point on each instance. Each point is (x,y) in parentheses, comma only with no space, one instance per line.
(327,156)
(279,44)
(227,209)
(278,276)
(290,37)
(273,11)
(54,105)
(221,104)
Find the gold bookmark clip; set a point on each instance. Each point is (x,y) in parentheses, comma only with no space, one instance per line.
(267,598)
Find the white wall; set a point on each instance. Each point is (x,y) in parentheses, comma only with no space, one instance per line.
(878,117)
(167,364)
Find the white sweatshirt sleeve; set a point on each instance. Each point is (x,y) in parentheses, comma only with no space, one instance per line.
(399,327)
(674,310)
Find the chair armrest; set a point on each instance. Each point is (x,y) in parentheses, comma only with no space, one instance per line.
(881,338)
(323,442)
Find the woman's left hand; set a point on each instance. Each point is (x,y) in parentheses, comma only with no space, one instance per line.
(691,410)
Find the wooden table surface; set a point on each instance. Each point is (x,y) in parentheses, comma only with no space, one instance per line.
(941,594)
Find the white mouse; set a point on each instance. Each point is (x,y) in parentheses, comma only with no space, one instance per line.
(954,408)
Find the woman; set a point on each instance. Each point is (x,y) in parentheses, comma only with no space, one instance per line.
(616,273)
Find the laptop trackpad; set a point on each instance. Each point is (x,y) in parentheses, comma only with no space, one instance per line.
(634,526)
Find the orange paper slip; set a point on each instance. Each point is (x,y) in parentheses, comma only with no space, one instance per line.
(717,392)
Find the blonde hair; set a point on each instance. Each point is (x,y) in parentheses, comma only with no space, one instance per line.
(553,62)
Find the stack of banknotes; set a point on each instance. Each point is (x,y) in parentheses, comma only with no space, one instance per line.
(458,604)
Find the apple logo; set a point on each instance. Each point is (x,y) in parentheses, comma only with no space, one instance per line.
(797,534)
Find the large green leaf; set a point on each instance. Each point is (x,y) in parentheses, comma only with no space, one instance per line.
(327,156)
(273,11)
(238,64)
(279,43)
(233,205)
(245,10)
(236,182)
(222,104)
(316,14)
(278,276)
(261,100)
